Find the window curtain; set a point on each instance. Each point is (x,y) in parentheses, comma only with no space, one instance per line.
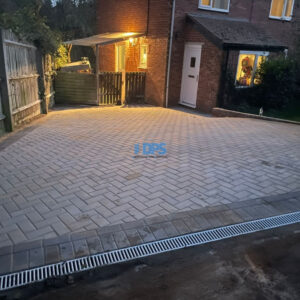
(277,8)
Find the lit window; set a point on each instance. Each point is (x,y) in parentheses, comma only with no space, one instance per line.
(282,9)
(218,5)
(143,56)
(248,63)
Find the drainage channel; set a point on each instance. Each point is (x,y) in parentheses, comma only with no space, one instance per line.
(30,276)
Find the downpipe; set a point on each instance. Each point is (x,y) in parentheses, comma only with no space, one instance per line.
(170,53)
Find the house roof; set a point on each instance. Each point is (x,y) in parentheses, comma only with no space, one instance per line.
(234,33)
(104,39)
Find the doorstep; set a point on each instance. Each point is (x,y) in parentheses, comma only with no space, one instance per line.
(74,245)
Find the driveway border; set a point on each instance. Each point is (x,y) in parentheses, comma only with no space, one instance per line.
(74,245)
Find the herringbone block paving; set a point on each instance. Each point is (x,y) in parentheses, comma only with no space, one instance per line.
(76,170)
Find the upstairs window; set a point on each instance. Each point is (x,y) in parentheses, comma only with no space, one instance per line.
(282,9)
(249,62)
(217,5)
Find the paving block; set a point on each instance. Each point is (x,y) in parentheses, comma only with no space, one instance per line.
(36,257)
(80,248)
(133,237)
(108,241)
(66,251)
(146,234)
(94,244)
(5,264)
(20,261)
(52,254)
(121,239)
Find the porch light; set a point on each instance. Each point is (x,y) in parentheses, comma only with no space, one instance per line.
(132,41)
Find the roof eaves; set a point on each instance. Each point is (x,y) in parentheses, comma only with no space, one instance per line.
(208,34)
(263,47)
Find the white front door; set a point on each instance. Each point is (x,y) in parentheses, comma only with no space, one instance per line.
(190,74)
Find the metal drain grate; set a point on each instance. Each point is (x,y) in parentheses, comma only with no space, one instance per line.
(117,256)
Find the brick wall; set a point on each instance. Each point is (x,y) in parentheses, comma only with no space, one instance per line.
(122,16)
(107,58)
(131,16)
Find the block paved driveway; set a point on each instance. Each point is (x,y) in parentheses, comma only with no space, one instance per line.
(74,170)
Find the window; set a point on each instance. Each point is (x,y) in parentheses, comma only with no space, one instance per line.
(143,56)
(248,63)
(193,62)
(120,57)
(282,9)
(218,5)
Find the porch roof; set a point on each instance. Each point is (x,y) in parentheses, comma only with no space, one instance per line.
(234,33)
(105,38)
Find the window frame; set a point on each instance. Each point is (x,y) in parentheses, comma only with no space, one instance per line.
(206,7)
(257,54)
(283,17)
(147,49)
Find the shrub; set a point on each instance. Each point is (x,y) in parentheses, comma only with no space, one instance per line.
(61,57)
(277,86)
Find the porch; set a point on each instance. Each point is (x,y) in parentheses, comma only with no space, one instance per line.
(110,82)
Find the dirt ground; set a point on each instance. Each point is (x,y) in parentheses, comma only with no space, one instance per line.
(260,266)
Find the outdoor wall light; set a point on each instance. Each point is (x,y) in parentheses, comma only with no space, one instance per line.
(132,41)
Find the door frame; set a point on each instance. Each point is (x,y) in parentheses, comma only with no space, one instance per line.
(197,45)
(122,44)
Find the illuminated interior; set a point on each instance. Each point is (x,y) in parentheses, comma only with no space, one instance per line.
(143,56)
(289,9)
(247,65)
(217,4)
(281,8)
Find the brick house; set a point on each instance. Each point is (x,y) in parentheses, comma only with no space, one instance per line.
(187,47)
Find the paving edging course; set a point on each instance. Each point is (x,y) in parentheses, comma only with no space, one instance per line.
(38,253)
(223,113)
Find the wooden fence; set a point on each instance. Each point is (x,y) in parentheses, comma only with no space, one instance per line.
(76,88)
(2,117)
(110,85)
(20,70)
(81,88)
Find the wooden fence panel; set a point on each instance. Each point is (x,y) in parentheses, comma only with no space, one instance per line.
(110,84)
(2,117)
(75,88)
(135,86)
(20,59)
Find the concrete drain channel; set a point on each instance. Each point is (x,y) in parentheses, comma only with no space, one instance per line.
(69,267)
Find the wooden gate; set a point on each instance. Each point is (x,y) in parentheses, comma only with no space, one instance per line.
(135,87)
(110,85)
